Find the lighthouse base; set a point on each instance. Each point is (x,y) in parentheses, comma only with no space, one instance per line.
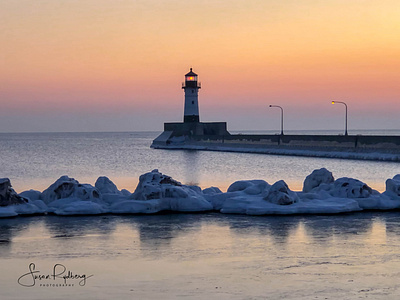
(185,131)
(191,119)
(197,128)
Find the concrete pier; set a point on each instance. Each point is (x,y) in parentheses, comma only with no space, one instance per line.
(365,147)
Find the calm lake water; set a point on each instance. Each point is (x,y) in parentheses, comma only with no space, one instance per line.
(203,256)
(189,256)
(36,160)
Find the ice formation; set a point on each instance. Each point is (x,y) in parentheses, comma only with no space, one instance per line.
(12,204)
(280,194)
(316,178)
(7,194)
(170,194)
(393,187)
(67,196)
(157,192)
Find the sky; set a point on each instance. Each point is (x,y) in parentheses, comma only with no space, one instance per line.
(102,65)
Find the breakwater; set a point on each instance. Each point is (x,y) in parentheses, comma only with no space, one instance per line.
(366,147)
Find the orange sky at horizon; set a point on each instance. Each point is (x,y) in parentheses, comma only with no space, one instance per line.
(129,58)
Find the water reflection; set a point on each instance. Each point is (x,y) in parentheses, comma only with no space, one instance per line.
(78,226)
(191,171)
(392,222)
(279,228)
(157,232)
(10,227)
(323,228)
(190,234)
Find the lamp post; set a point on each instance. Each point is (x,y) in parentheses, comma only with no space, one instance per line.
(281,116)
(345,126)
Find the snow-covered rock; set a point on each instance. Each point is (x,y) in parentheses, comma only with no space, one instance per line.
(12,204)
(393,187)
(136,207)
(351,188)
(326,206)
(238,196)
(212,191)
(31,195)
(66,187)
(7,194)
(109,191)
(171,194)
(105,186)
(249,187)
(280,194)
(75,206)
(67,196)
(316,178)
(7,211)
(257,197)
(157,192)
(366,197)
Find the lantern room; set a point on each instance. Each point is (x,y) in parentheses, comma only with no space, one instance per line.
(191,80)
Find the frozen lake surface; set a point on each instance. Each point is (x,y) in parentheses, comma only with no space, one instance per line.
(205,256)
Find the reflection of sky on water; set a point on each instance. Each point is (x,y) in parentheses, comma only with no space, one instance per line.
(169,255)
(191,163)
(147,236)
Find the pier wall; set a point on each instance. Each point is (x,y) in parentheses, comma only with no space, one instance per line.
(319,141)
(197,128)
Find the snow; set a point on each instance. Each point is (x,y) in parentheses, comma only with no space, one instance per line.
(66,187)
(170,194)
(393,187)
(316,178)
(280,194)
(156,192)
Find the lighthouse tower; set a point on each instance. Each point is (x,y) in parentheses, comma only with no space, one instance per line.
(191,128)
(191,87)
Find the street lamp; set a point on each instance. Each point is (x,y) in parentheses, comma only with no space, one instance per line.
(281,116)
(345,126)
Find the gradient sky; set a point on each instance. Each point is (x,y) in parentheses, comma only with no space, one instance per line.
(102,65)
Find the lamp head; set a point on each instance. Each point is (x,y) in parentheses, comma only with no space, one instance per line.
(333,102)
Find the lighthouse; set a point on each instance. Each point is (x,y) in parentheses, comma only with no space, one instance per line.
(191,88)
(191,128)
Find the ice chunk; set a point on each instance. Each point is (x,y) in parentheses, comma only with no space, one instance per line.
(326,206)
(109,191)
(126,193)
(106,186)
(280,194)
(351,188)
(7,211)
(12,204)
(66,187)
(316,178)
(212,191)
(249,187)
(153,185)
(67,196)
(75,206)
(31,195)
(7,194)
(393,187)
(172,195)
(136,207)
